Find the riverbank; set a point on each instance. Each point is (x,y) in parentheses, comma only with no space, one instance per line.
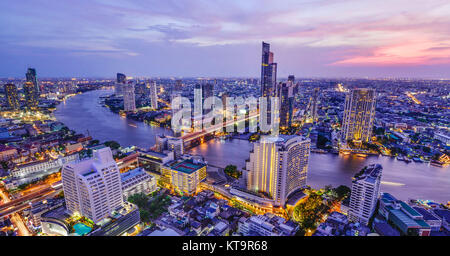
(404,180)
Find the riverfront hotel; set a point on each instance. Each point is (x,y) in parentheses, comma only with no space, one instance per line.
(183,176)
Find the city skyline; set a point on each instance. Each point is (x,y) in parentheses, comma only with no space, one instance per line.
(310,38)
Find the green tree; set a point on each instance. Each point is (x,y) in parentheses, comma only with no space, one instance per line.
(232,171)
(342,191)
(112,144)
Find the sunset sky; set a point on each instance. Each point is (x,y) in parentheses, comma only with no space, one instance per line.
(335,38)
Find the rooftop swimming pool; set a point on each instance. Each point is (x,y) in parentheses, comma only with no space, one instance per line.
(81,229)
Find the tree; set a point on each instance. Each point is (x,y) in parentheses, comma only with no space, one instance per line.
(112,144)
(308,212)
(232,171)
(342,191)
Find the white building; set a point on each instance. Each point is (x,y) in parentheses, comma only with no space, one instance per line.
(442,137)
(93,187)
(364,195)
(175,145)
(40,166)
(153,95)
(137,181)
(129,102)
(278,166)
(359,114)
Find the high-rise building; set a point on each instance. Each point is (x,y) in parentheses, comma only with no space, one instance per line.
(120,82)
(268,71)
(291,78)
(93,187)
(160,142)
(359,115)
(129,100)
(176,145)
(12,98)
(32,78)
(315,105)
(31,100)
(278,166)
(178,85)
(286,96)
(364,195)
(153,95)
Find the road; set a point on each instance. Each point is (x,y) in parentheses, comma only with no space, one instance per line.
(16,220)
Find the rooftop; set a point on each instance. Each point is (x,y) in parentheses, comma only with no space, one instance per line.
(187,166)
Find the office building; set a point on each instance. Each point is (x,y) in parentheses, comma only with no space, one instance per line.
(153,95)
(402,217)
(364,195)
(278,167)
(12,98)
(175,145)
(31,95)
(129,100)
(314,105)
(359,115)
(160,142)
(268,71)
(32,78)
(93,187)
(183,175)
(120,82)
(286,96)
(137,181)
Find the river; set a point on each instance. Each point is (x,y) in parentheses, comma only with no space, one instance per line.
(83,113)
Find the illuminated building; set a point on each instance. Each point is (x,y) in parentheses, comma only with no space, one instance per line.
(278,167)
(359,115)
(32,78)
(120,82)
(137,181)
(12,99)
(31,95)
(153,95)
(314,105)
(364,195)
(268,71)
(129,101)
(175,145)
(93,187)
(285,92)
(183,176)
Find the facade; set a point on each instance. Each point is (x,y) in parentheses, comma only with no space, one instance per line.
(364,195)
(268,71)
(153,95)
(93,187)
(137,181)
(7,153)
(120,82)
(175,145)
(278,167)
(31,95)
(40,166)
(32,78)
(12,98)
(129,101)
(286,94)
(403,217)
(183,176)
(359,115)
(266,225)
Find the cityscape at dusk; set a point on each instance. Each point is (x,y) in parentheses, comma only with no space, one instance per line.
(225,118)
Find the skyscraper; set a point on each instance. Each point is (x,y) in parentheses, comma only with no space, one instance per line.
(153,95)
(93,187)
(268,71)
(31,100)
(12,99)
(315,104)
(286,104)
(364,195)
(32,78)
(278,166)
(129,100)
(120,82)
(359,115)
